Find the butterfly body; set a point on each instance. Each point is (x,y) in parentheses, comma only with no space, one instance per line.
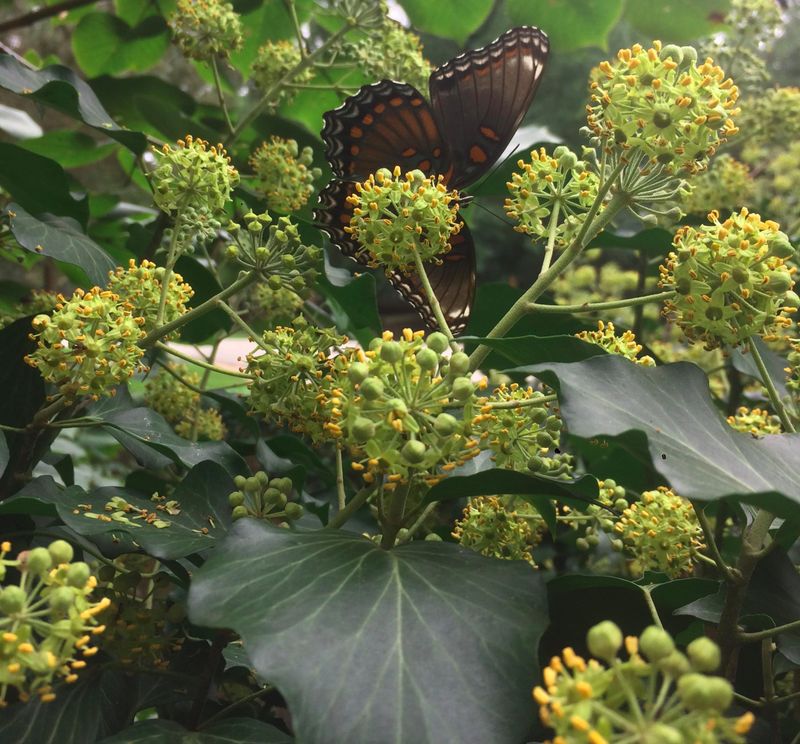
(477,101)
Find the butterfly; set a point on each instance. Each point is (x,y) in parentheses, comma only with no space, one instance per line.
(477,101)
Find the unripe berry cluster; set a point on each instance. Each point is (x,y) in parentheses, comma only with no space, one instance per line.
(47,620)
(557,186)
(731,279)
(273,66)
(657,694)
(204,29)
(397,218)
(625,345)
(283,173)
(661,102)
(262,497)
(274,306)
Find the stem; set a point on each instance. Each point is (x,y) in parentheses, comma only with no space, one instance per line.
(711,543)
(420,520)
(40,14)
(196,312)
(434,302)
(266,99)
(234,316)
(291,10)
(352,507)
(769,632)
(172,257)
(394,518)
(220,95)
(651,606)
(200,362)
(766,380)
(587,307)
(551,238)
(500,404)
(340,492)
(590,228)
(235,704)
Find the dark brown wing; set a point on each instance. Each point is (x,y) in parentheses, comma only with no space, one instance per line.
(453,281)
(480,98)
(383,125)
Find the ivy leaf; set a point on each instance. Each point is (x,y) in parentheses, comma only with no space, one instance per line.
(3,453)
(450,19)
(69,148)
(676,21)
(775,364)
(381,637)
(522,350)
(61,238)
(227,731)
(26,382)
(690,443)
(60,88)
(354,304)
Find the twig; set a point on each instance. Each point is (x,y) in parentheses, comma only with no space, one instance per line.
(601,306)
(40,14)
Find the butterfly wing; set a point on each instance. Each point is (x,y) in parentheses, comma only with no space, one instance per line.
(383,125)
(480,98)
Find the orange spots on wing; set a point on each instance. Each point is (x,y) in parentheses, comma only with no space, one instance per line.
(489,133)
(437,151)
(367,119)
(379,108)
(424,165)
(354,149)
(416,102)
(477,154)
(409,152)
(396,101)
(356,132)
(453,257)
(344,218)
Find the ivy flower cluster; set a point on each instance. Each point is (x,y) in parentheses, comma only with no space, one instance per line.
(488,527)
(656,694)
(726,183)
(173,393)
(366,14)
(273,67)
(661,102)
(284,174)
(551,194)
(399,218)
(755,421)
(771,118)
(47,620)
(193,182)
(262,497)
(204,29)
(275,251)
(516,425)
(731,279)
(275,306)
(623,345)
(37,302)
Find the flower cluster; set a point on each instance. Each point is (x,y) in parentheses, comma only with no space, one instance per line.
(39,301)
(89,345)
(295,378)
(755,421)
(793,370)
(173,393)
(275,251)
(399,219)
(273,67)
(399,407)
(193,183)
(140,289)
(47,620)
(731,279)
(204,29)
(625,345)
(772,118)
(780,183)
(660,532)
(661,102)
(275,306)
(657,694)
(726,183)
(392,53)
(599,516)
(366,14)
(551,194)
(516,424)
(283,173)
(263,497)
(489,528)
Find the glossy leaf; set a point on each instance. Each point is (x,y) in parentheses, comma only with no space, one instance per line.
(676,21)
(69,148)
(381,637)
(60,88)
(450,19)
(205,286)
(3,453)
(227,731)
(61,238)
(354,304)
(570,24)
(689,441)
(26,382)
(521,350)
(776,365)
(654,242)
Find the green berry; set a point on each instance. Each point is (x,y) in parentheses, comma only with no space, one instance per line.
(391,352)
(38,561)
(437,341)
(236,498)
(445,424)
(414,451)
(60,551)
(12,600)
(656,643)
(604,640)
(459,363)
(372,388)
(61,598)
(704,655)
(462,388)
(239,512)
(293,510)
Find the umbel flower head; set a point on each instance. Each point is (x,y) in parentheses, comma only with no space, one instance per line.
(139,287)
(625,345)
(755,421)
(521,431)
(403,410)
(88,346)
(38,301)
(491,529)
(731,279)
(47,620)
(772,118)
(193,183)
(661,102)
(272,67)
(283,173)
(657,694)
(274,306)
(397,218)
(726,183)
(204,29)
(557,185)
(392,53)
(262,497)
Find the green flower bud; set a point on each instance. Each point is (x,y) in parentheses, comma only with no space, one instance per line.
(459,363)
(284,485)
(372,388)
(293,510)
(694,692)
(239,481)
(60,551)
(656,643)
(38,561)
(363,429)
(61,598)
(661,733)
(78,574)
(704,655)
(462,388)
(236,498)
(436,341)
(427,359)
(239,512)
(445,424)
(674,664)
(413,451)
(604,640)
(12,600)
(358,372)
(433,537)
(391,352)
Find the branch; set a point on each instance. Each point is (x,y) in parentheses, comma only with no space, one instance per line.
(587,307)
(40,14)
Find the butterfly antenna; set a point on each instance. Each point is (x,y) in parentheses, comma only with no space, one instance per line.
(494,214)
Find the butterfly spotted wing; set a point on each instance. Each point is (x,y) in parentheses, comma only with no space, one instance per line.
(477,102)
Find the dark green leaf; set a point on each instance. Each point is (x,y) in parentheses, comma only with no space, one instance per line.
(676,21)
(104,43)
(61,238)
(354,305)
(654,242)
(384,638)
(570,24)
(26,382)
(3,453)
(450,19)
(522,350)
(69,148)
(35,497)
(689,441)
(775,364)
(205,286)
(228,731)
(39,184)
(60,88)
